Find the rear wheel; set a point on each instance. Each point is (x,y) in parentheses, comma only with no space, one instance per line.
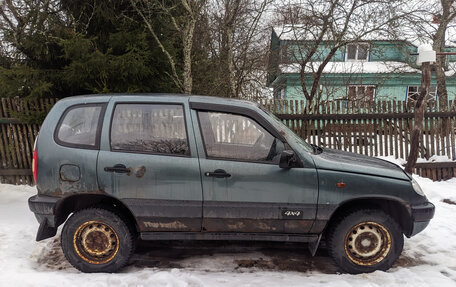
(97,240)
(365,241)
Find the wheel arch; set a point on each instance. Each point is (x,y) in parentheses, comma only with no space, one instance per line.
(398,210)
(77,202)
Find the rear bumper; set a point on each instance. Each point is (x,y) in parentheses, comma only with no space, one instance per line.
(43,207)
(421,215)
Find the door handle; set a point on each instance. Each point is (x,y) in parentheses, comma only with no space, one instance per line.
(218,173)
(118,168)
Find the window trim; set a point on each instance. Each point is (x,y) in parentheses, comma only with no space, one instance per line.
(357,51)
(243,111)
(96,146)
(432,95)
(227,158)
(148,152)
(374,96)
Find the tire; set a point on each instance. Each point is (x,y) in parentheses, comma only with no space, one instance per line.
(97,240)
(364,241)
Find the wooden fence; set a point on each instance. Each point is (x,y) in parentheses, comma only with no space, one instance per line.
(436,170)
(17,137)
(376,129)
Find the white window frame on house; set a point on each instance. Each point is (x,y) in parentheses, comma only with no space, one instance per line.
(413,91)
(364,87)
(357,52)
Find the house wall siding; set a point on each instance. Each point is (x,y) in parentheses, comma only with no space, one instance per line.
(389,87)
(378,51)
(392,51)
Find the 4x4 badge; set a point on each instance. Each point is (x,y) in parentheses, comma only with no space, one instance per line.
(290,213)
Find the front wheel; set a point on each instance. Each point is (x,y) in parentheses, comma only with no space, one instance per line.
(97,240)
(365,241)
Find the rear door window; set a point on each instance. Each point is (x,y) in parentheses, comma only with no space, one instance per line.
(149,128)
(80,126)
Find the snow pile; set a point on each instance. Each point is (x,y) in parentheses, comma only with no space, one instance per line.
(351,67)
(428,259)
(435,158)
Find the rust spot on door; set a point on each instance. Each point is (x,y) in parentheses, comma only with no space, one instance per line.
(140,171)
(174,225)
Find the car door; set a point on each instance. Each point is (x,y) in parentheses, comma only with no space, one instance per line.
(149,161)
(244,189)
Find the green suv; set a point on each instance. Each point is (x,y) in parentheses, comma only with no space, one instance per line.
(177,167)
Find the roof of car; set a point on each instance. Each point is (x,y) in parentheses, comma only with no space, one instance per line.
(192,98)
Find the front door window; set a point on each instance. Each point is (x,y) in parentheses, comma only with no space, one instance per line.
(237,137)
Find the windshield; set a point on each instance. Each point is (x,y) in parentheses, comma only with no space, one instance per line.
(284,130)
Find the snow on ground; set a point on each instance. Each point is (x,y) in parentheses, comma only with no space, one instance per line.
(428,259)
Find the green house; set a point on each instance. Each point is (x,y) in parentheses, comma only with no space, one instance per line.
(372,69)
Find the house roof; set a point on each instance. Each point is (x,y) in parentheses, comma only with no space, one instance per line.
(351,68)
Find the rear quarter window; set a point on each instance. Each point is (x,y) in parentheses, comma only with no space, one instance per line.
(80,126)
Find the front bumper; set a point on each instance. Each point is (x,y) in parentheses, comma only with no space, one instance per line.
(421,216)
(44,209)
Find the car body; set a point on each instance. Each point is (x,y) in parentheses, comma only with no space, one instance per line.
(178,167)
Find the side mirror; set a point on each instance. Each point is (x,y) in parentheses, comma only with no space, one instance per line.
(287,159)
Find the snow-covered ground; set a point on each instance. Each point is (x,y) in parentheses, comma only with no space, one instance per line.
(428,259)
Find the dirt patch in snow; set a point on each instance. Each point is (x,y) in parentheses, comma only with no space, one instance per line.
(291,259)
(49,256)
(408,261)
(449,201)
(255,263)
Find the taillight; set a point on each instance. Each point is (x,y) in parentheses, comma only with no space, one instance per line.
(35,165)
(35,161)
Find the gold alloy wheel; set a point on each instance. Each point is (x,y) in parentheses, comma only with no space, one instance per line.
(367,243)
(96,242)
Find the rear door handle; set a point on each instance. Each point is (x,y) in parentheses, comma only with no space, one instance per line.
(218,173)
(118,168)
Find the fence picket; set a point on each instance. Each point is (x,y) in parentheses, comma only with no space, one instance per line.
(452,138)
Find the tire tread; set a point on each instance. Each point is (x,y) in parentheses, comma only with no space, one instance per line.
(82,266)
(332,230)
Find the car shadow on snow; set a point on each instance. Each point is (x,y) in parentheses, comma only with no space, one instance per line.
(215,256)
(241,256)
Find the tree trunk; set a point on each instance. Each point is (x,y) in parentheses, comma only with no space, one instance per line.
(227,72)
(448,14)
(438,46)
(420,106)
(187,42)
(230,64)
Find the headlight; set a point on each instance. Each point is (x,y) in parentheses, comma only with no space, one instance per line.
(417,187)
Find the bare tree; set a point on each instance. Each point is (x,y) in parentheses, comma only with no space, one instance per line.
(322,28)
(430,26)
(183,16)
(239,37)
(448,14)
(232,11)
(420,107)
